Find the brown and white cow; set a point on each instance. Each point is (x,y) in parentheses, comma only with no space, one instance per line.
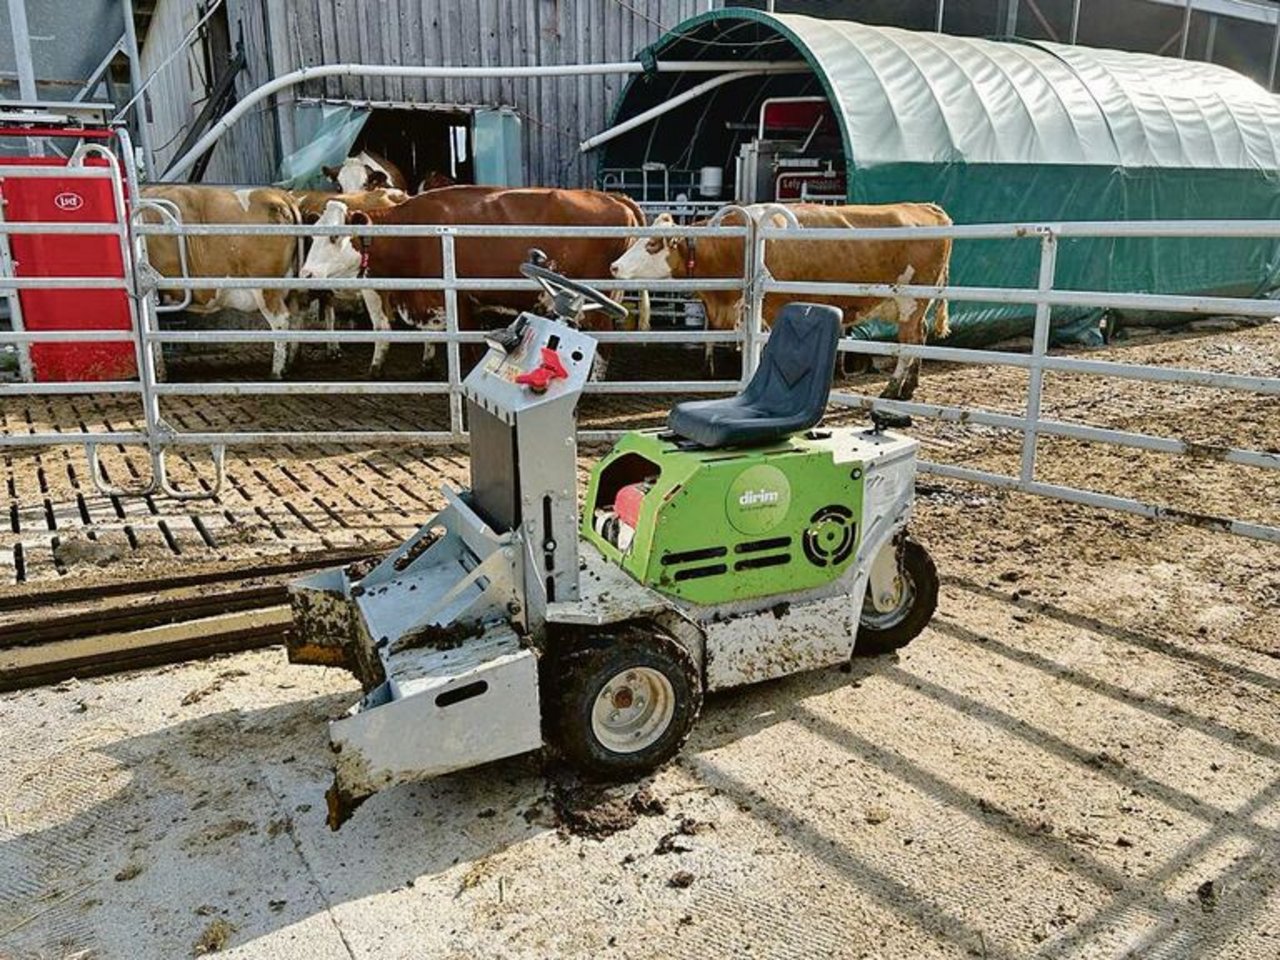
(231,256)
(313,205)
(386,257)
(924,262)
(366,171)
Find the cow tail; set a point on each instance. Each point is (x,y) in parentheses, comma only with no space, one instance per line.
(300,252)
(941,316)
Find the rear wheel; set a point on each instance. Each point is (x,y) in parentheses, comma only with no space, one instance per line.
(896,623)
(621,704)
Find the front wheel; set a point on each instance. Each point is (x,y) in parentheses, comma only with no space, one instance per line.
(900,620)
(621,704)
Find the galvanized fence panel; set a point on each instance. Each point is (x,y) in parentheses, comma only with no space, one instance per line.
(1044,297)
(756,282)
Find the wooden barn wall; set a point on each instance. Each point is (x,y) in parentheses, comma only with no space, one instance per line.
(248,152)
(556,113)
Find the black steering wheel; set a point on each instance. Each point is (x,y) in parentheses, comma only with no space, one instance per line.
(569,297)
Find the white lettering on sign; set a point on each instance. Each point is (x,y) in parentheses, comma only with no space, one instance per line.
(757,498)
(68,201)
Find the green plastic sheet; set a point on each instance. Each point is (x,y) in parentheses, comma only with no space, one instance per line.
(1005,132)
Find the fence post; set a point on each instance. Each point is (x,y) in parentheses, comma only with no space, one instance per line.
(1039,348)
(453,353)
(753,304)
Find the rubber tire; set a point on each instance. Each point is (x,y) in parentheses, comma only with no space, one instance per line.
(573,681)
(917,566)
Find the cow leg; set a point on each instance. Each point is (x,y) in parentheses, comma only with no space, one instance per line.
(378,317)
(272,306)
(906,374)
(329,311)
(434,323)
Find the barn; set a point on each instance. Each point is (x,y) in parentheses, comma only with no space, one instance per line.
(202,56)
(995,132)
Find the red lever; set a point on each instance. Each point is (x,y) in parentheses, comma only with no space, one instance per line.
(551,369)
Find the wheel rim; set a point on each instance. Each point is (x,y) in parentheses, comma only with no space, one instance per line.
(633,710)
(904,597)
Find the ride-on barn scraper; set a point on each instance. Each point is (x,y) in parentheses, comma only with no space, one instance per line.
(736,545)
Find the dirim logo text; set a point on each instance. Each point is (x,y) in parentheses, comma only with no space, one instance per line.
(758,498)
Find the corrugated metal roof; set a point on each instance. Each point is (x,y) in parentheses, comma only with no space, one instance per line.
(915,97)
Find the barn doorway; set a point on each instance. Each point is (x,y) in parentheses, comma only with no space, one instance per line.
(429,146)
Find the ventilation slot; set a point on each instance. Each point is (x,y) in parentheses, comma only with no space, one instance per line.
(548,536)
(696,573)
(831,536)
(692,556)
(759,546)
(755,563)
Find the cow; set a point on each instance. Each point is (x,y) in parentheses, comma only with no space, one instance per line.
(924,262)
(312,204)
(388,257)
(435,180)
(366,171)
(231,256)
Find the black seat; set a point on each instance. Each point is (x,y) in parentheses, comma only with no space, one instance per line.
(787,394)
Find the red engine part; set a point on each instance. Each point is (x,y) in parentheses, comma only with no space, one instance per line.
(627,503)
(55,199)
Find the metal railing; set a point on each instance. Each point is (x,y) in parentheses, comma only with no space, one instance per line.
(755,283)
(449,285)
(1045,297)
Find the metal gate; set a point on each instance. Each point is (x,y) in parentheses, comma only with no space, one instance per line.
(159,436)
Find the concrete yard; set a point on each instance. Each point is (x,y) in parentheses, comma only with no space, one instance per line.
(1080,758)
(1018,783)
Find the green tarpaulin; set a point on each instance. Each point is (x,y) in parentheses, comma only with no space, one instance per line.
(1001,132)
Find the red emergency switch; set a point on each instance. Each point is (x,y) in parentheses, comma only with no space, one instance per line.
(551,369)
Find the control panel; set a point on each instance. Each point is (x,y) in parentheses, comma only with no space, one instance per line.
(534,361)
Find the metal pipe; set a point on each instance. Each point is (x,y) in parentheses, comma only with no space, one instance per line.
(425,229)
(1211,40)
(184,164)
(1186,30)
(365,336)
(135,83)
(1039,348)
(640,119)
(1253,531)
(1275,54)
(1102,368)
(942,6)
(1011,19)
(453,355)
(23,64)
(1075,21)
(1061,428)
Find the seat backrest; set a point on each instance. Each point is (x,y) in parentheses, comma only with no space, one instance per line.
(794,376)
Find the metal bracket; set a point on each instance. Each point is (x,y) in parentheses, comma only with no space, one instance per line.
(148,278)
(159,476)
(160,466)
(884,580)
(104,487)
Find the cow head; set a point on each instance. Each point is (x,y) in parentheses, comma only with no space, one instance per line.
(335,258)
(653,258)
(355,175)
